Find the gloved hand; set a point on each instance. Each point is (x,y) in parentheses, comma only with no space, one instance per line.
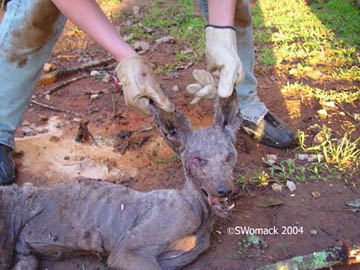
(221,55)
(205,86)
(139,85)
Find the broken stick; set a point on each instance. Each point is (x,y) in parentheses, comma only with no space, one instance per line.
(317,260)
(53,76)
(52,107)
(63,84)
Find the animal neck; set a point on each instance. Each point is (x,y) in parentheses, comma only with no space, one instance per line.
(191,191)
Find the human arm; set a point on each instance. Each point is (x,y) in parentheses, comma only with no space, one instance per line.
(221,47)
(88,16)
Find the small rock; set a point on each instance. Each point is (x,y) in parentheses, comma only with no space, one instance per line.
(342,113)
(77,120)
(175,88)
(271,158)
(315,194)
(48,67)
(276,187)
(302,156)
(95,73)
(330,104)
(47,97)
(94,96)
(354,203)
(43,131)
(319,138)
(313,232)
(26,123)
(322,113)
(315,157)
(66,158)
(291,185)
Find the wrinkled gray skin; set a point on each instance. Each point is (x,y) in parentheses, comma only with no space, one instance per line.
(161,229)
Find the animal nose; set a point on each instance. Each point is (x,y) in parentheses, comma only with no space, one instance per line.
(223,191)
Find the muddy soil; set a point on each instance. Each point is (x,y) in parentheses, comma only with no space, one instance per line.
(125,148)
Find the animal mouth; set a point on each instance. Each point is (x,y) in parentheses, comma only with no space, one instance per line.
(220,205)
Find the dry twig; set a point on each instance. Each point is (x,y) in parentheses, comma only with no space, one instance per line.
(62,84)
(52,107)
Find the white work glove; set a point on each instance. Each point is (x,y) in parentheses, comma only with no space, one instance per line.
(205,86)
(140,85)
(222,56)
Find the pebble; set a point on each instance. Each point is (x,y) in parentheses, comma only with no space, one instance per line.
(271,158)
(47,97)
(322,113)
(276,187)
(302,156)
(291,185)
(330,104)
(94,96)
(26,123)
(42,131)
(315,194)
(77,120)
(48,67)
(313,232)
(175,88)
(315,157)
(94,73)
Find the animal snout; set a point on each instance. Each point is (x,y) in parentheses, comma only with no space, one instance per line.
(224,191)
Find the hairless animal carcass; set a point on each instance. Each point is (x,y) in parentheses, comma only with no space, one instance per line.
(160,229)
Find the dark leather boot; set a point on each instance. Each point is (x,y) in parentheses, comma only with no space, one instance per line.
(7,165)
(270,131)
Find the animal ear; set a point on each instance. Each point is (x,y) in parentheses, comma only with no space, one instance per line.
(173,127)
(227,114)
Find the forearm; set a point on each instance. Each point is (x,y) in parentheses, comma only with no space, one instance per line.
(221,12)
(87,15)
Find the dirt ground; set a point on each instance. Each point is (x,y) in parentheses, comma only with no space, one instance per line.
(47,153)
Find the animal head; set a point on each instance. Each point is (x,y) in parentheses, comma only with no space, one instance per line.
(208,154)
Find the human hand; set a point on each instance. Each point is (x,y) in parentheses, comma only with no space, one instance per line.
(222,56)
(140,85)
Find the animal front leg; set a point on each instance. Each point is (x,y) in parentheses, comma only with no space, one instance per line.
(26,262)
(125,259)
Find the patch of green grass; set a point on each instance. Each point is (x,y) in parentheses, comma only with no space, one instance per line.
(349,96)
(317,34)
(175,19)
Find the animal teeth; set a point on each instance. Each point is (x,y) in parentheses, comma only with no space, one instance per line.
(232,206)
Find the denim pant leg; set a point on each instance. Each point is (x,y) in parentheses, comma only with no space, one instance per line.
(28,32)
(251,107)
